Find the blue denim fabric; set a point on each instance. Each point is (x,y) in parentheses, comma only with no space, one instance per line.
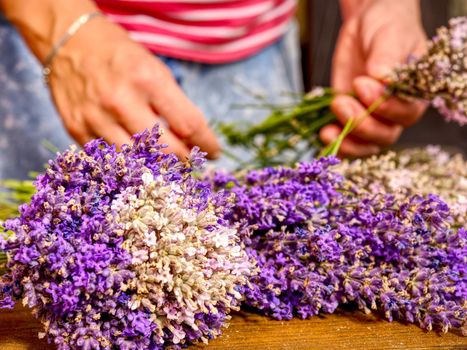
(28,116)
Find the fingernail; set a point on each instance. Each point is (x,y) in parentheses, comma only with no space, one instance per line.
(215,154)
(381,71)
(345,110)
(374,149)
(368,93)
(328,134)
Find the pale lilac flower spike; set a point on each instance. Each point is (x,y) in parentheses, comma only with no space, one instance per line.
(440,76)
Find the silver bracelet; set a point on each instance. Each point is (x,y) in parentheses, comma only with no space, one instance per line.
(75,26)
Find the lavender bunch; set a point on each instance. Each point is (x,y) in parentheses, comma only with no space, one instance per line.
(422,171)
(440,76)
(319,243)
(124,250)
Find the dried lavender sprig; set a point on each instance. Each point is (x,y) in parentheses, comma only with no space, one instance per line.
(439,76)
(423,171)
(333,148)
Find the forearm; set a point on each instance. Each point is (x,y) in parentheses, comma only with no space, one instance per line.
(43,22)
(351,7)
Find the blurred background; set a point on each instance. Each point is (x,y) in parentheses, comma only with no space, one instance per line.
(320,22)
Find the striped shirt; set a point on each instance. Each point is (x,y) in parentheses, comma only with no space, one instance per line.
(208,31)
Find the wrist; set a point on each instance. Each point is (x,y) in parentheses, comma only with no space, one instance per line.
(71,31)
(104,39)
(43,22)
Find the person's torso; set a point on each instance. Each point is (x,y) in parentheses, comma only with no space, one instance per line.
(209,31)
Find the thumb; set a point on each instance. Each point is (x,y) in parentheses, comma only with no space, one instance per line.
(386,52)
(347,63)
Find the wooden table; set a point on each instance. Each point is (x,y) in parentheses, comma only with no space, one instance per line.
(344,330)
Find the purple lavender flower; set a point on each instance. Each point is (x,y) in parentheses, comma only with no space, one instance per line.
(422,171)
(440,75)
(124,249)
(319,242)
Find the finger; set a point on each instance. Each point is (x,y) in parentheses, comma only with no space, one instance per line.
(79,133)
(353,148)
(396,110)
(368,129)
(136,115)
(421,47)
(105,126)
(72,121)
(174,144)
(345,66)
(184,118)
(387,50)
(350,146)
(329,133)
(148,119)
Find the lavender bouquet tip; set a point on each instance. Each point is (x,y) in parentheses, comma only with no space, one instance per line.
(413,171)
(439,76)
(124,250)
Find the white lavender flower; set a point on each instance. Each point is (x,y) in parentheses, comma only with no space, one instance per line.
(185,264)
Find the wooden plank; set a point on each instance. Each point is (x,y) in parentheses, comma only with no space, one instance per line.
(346,329)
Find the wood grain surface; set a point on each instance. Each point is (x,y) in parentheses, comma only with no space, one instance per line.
(346,329)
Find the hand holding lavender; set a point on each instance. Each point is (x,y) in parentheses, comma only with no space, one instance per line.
(375,36)
(438,77)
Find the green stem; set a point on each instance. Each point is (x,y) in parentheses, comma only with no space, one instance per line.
(282,136)
(352,123)
(3,262)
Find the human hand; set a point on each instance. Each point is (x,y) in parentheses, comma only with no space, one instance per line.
(106,85)
(375,37)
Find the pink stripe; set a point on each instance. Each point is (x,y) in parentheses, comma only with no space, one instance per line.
(231,47)
(177,6)
(180,1)
(208,31)
(224,13)
(202,31)
(211,35)
(207,57)
(213,22)
(206,40)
